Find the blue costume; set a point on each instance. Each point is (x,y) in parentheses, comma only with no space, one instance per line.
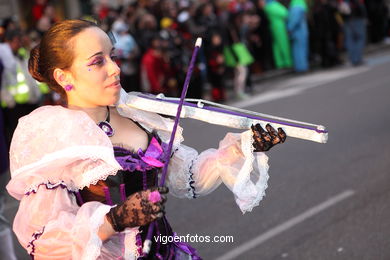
(297,27)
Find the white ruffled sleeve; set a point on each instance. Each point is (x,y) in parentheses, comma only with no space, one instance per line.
(54,153)
(50,225)
(245,173)
(54,144)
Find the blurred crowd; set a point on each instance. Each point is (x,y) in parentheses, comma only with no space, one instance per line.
(154,42)
(154,39)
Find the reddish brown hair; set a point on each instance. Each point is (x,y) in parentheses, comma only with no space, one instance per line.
(55,51)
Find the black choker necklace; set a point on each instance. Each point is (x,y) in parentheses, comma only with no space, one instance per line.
(105,125)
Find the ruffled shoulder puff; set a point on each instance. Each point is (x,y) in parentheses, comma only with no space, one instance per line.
(55,145)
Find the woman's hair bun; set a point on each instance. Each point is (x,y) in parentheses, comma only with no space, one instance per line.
(33,64)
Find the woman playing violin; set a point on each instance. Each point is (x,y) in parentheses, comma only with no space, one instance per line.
(86,173)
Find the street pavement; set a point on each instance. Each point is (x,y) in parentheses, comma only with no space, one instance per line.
(323,201)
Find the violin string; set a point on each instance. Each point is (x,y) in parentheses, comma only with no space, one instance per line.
(244,111)
(270,119)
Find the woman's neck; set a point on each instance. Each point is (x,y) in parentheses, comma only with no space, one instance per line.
(97,114)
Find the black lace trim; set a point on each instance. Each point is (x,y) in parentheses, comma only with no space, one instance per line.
(35,237)
(191,181)
(49,186)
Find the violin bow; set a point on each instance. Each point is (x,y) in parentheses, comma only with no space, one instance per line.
(218,114)
(148,241)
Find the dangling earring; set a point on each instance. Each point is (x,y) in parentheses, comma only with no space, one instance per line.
(68,87)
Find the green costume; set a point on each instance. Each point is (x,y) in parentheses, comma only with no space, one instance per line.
(277,15)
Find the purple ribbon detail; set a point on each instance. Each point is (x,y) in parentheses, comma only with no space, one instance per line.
(143,161)
(153,152)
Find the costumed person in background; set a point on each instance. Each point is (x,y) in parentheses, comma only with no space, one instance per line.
(86,174)
(19,91)
(263,40)
(354,16)
(299,33)
(216,66)
(6,245)
(46,20)
(37,10)
(174,51)
(155,69)
(128,55)
(277,15)
(240,57)
(209,27)
(326,32)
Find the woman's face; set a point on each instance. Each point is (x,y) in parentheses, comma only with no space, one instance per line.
(94,73)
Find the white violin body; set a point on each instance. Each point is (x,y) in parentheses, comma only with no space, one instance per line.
(218,114)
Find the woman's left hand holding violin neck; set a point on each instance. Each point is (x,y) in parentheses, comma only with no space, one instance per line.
(265,140)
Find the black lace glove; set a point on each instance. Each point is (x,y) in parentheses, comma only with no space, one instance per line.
(264,140)
(137,210)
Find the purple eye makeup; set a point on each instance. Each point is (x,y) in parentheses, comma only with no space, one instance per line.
(96,61)
(100,60)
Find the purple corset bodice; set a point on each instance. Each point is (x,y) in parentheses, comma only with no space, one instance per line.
(140,172)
